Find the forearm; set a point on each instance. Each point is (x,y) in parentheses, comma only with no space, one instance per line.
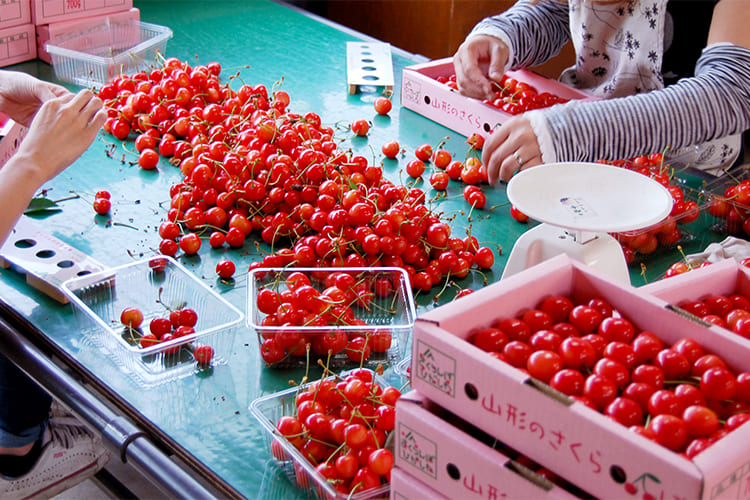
(533,32)
(715,103)
(19,182)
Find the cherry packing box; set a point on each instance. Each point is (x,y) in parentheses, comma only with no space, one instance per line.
(459,461)
(15,13)
(723,279)
(52,11)
(575,442)
(157,287)
(404,486)
(422,93)
(17,44)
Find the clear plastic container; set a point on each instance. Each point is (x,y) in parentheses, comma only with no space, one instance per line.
(156,286)
(267,410)
(110,48)
(384,319)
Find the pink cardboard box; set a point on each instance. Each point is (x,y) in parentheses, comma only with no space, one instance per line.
(17,44)
(11,135)
(457,463)
(58,32)
(406,487)
(53,11)
(581,445)
(15,13)
(422,93)
(726,277)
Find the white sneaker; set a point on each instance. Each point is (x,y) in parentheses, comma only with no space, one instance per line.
(72,455)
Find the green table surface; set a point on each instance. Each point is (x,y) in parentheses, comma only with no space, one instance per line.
(207,417)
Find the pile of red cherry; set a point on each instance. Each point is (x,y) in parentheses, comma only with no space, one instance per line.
(250,165)
(681,396)
(340,426)
(328,300)
(512,96)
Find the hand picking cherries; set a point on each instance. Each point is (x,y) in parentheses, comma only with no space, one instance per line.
(340,425)
(250,165)
(681,396)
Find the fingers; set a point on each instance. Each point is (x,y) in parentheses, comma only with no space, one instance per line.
(86,105)
(498,60)
(509,149)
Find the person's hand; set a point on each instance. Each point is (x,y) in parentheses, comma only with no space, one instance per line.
(63,128)
(21,95)
(510,148)
(480,62)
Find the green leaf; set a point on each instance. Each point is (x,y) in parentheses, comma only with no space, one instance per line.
(41,205)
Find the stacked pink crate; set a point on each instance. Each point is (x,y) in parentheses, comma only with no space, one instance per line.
(60,20)
(16,32)
(472,422)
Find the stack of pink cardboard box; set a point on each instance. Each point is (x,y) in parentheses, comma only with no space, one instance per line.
(16,32)
(59,20)
(469,413)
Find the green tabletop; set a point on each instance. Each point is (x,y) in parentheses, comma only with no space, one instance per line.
(263,42)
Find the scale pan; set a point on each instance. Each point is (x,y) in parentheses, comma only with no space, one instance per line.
(589,197)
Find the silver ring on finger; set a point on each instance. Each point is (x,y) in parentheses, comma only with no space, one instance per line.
(518,159)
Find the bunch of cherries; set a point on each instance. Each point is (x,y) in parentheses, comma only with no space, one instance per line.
(681,396)
(340,426)
(332,299)
(250,165)
(162,329)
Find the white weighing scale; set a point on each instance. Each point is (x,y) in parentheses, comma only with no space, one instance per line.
(578,204)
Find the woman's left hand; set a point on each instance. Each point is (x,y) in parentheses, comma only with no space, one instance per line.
(510,148)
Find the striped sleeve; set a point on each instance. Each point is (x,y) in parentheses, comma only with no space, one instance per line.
(712,104)
(534,32)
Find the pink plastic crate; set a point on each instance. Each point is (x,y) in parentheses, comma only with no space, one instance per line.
(422,93)
(405,487)
(585,447)
(457,462)
(17,44)
(89,26)
(15,13)
(53,11)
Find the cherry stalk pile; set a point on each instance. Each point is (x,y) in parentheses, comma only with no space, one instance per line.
(250,165)
(340,426)
(512,96)
(681,396)
(668,232)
